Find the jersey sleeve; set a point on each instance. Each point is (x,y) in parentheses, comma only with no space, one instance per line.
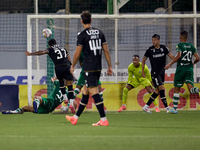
(178,49)
(167,50)
(146,54)
(147,73)
(80,39)
(130,73)
(103,39)
(49,49)
(194,49)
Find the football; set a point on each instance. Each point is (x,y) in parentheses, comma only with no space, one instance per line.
(46,33)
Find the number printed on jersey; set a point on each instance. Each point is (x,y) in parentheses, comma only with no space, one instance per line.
(61,53)
(187,56)
(95,45)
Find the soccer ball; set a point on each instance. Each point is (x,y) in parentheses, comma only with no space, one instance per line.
(64,109)
(46,33)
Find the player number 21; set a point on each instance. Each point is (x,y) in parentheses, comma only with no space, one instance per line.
(95,45)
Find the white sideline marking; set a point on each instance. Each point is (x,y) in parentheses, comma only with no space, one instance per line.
(102,136)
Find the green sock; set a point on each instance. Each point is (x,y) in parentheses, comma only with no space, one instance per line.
(175,100)
(194,90)
(101,95)
(76,91)
(125,93)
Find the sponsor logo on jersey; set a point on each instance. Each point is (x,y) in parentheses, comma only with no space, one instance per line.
(187,46)
(92,32)
(158,55)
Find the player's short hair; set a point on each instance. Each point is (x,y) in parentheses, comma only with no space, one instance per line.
(52,42)
(156,36)
(136,56)
(86,17)
(184,34)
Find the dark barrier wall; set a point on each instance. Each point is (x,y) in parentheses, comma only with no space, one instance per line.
(9,97)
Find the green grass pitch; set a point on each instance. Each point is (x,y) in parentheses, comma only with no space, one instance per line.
(128,130)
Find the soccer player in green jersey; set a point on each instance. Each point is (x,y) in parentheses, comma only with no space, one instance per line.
(184,69)
(135,68)
(42,105)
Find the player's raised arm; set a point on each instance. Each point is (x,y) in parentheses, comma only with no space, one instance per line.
(108,59)
(143,64)
(37,53)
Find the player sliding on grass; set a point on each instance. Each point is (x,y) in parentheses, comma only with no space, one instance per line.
(184,70)
(135,69)
(43,105)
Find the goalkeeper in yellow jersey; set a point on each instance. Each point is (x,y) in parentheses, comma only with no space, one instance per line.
(135,68)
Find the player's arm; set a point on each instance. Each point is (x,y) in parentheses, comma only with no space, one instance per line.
(108,59)
(37,53)
(130,74)
(143,64)
(147,73)
(76,57)
(171,56)
(176,58)
(196,58)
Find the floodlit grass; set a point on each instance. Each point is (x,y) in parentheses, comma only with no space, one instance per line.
(127,130)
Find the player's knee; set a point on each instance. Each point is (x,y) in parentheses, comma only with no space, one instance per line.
(125,90)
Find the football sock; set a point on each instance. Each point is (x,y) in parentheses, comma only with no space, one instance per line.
(82,104)
(37,102)
(99,105)
(125,93)
(62,87)
(17,111)
(163,98)
(152,98)
(101,95)
(194,90)
(76,91)
(103,119)
(70,92)
(155,101)
(175,100)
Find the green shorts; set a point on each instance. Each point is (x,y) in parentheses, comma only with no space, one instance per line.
(81,80)
(183,76)
(142,81)
(47,105)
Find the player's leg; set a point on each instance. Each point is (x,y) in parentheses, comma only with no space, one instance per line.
(36,103)
(17,111)
(82,105)
(80,84)
(101,93)
(150,91)
(124,97)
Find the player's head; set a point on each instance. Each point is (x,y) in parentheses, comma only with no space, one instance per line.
(183,35)
(155,39)
(52,42)
(136,60)
(86,17)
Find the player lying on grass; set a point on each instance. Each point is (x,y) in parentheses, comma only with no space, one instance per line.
(184,70)
(135,79)
(43,105)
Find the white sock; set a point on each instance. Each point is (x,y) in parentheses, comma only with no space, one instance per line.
(65,97)
(103,119)
(75,116)
(72,102)
(37,102)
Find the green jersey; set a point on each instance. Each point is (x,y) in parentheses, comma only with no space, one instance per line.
(52,101)
(187,51)
(137,72)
